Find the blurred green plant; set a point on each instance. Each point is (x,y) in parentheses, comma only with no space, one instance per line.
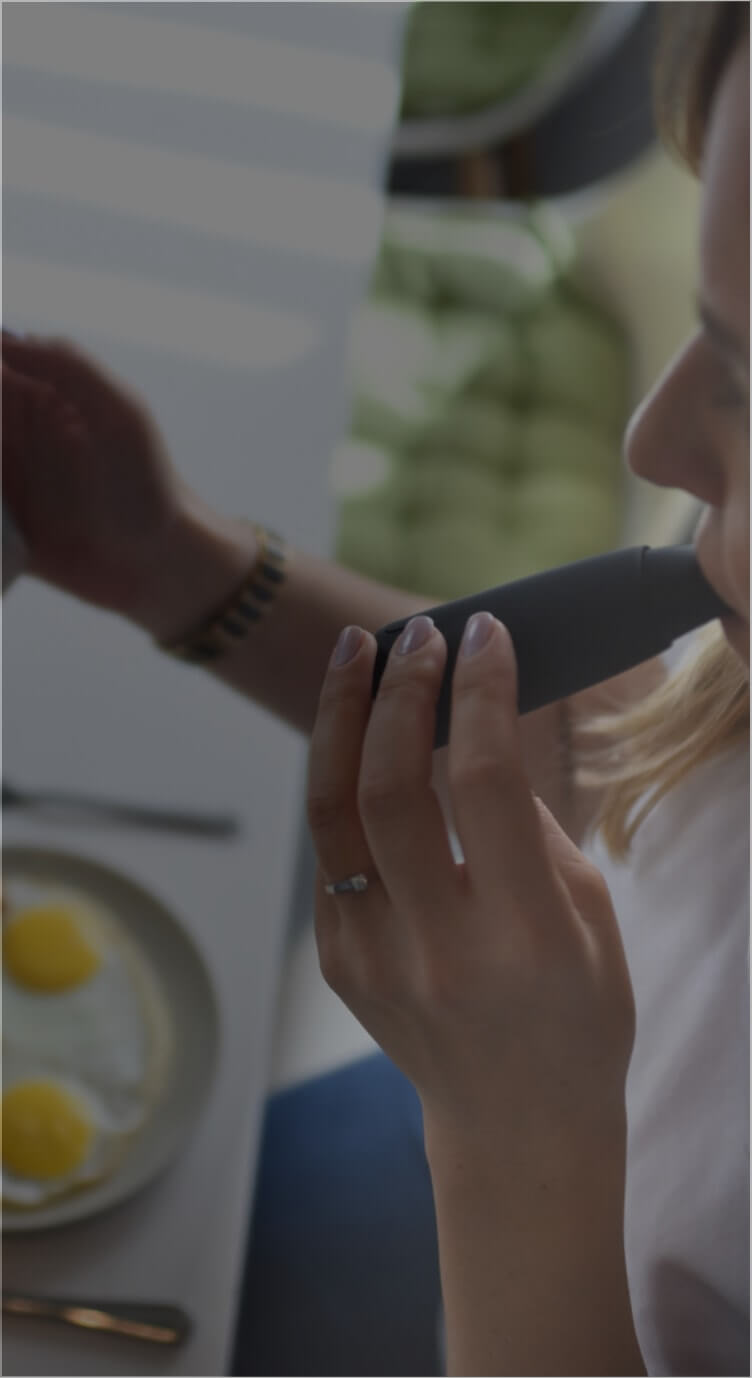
(490,392)
(459,58)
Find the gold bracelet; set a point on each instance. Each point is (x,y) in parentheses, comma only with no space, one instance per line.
(225,628)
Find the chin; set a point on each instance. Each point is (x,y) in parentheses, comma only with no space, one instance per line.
(736,631)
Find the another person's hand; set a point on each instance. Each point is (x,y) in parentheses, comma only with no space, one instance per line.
(88,480)
(498,985)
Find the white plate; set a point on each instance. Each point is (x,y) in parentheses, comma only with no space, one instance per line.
(593,36)
(187,988)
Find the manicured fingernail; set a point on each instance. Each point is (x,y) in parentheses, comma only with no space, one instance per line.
(477,633)
(347,646)
(414,635)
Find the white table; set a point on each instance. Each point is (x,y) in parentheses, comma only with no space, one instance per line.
(168,293)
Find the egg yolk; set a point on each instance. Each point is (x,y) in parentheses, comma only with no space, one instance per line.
(45,1130)
(45,948)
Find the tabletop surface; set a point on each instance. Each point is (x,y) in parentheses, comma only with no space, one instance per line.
(192,193)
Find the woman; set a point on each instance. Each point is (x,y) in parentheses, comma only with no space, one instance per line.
(504,987)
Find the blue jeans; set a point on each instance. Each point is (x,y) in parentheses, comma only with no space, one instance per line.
(342,1273)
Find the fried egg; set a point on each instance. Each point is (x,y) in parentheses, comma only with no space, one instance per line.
(86,1041)
(55,1136)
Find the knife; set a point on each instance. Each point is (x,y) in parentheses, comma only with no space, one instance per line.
(64,806)
(157,1322)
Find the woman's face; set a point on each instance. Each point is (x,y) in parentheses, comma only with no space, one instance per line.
(692,431)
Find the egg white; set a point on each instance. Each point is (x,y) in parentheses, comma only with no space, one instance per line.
(107,1145)
(110,1037)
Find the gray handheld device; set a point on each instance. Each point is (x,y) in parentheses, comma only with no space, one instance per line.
(578,624)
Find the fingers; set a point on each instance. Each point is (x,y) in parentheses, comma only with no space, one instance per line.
(582,879)
(64,366)
(400,809)
(338,835)
(334,760)
(370,797)
(495,815)
(372,807)
(28,406)
(56,362)
(37,425)
(21,393)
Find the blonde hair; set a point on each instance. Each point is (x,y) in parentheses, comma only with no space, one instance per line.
(636,756)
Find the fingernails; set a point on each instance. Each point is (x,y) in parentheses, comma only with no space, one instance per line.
(477,633)
(347,645)
(414,635)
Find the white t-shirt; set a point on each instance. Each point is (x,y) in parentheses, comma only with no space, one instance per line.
(682,901)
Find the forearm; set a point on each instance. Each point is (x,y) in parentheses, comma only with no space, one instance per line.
(281,663)
(532,1266)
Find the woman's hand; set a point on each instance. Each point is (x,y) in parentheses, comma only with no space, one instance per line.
(85,472)
(104,514)
(499,986)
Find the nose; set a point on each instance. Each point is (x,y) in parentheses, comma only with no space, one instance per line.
(666,441)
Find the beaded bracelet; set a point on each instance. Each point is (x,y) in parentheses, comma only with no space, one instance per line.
(225,628)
